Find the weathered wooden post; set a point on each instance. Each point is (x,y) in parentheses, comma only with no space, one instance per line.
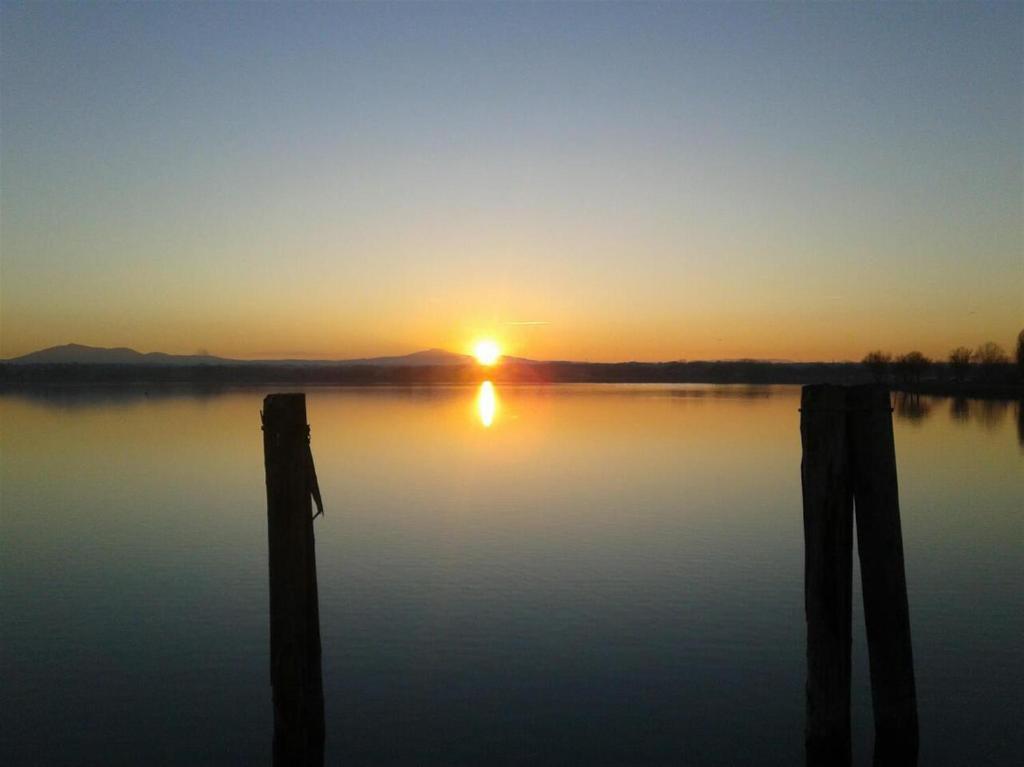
(295,672)
(828,572)
(883,580)
(849,463)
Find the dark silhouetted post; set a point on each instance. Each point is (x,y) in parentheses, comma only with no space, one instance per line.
(828,563)
(295,673)
(880,547)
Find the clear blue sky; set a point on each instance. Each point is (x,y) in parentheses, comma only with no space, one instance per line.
(645,181)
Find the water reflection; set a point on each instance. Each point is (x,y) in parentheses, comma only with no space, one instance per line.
(991,413)
(599,548)
(959,409)
(987,413)
(486,403)
(912,407)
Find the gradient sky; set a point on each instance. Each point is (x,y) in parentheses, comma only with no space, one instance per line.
(634,181)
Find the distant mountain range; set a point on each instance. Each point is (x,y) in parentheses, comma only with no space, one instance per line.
(77,354)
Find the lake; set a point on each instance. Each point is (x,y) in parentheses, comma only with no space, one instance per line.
(508,575)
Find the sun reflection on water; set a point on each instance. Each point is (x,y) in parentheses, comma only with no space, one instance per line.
(486,403)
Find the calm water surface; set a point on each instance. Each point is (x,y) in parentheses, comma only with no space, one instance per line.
(567,574)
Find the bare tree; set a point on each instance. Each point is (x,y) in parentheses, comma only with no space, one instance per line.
(990,353)
(960,362)
(877,362)
(911,366)
(990,356)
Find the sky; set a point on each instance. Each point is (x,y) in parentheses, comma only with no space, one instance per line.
(578,181)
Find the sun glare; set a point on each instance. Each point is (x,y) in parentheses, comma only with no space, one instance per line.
(487,352)
(486,403)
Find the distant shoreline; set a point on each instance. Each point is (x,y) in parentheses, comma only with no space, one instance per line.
(32,376)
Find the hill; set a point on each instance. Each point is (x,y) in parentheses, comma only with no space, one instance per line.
(79,354)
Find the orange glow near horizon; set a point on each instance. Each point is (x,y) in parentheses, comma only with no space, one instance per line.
(561,199)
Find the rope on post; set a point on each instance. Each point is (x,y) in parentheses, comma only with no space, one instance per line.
(295,665)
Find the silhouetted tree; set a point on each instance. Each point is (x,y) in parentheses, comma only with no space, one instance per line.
(990,353)
(877,362)
(1020,353)
(960,362)
(990,356)
(911,366)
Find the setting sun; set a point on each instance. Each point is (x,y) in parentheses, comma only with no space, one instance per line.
(487,352)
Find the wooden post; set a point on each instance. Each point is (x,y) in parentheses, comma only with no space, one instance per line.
(295,672)
(880,547)
(828,565)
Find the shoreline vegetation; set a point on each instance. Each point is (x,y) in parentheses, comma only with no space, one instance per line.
(985,373)
(1001,381)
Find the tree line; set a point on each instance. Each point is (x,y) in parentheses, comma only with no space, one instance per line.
(988,362)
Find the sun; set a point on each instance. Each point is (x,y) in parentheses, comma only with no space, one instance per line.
(487,352)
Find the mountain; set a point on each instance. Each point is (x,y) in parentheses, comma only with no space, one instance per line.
(77,354)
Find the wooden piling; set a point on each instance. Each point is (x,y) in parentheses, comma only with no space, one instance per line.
(828,563)
(295,669)
(883,580)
